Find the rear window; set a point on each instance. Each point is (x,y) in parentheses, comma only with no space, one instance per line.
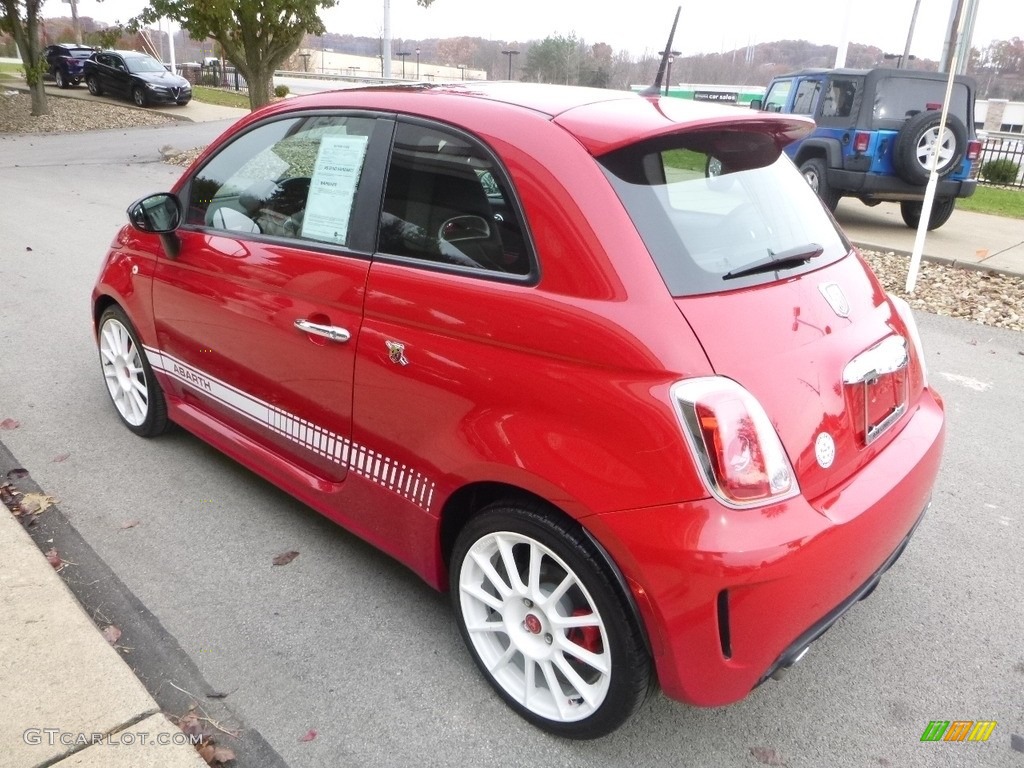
(711,205)
(897,98)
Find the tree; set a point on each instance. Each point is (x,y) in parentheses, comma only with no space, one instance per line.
(21,20)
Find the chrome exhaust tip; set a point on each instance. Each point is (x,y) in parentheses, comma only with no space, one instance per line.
(783,669)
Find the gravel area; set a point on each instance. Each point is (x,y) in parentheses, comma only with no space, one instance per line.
(69,114)
(981,297)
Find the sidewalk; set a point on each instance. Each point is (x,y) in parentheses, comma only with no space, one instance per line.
(66,696)
(968,240)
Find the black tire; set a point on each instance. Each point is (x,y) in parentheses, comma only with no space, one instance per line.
(815,173)
(134,391)
(942,209)
(139,96)
(526,643)
(60,78)
(93,84)
(911,155)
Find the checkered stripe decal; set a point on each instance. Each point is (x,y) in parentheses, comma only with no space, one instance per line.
(382,470)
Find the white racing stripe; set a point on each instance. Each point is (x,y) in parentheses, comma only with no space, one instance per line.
(382,470)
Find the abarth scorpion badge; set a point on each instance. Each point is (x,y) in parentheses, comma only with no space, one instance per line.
(396,352)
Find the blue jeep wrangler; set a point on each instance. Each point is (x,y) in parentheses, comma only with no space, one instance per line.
(874,136)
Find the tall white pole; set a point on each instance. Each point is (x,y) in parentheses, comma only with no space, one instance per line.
(844,39)
(910,35)
(933,176)
(170,37)
(387,39)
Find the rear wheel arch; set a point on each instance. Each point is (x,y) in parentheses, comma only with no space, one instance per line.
(829,150)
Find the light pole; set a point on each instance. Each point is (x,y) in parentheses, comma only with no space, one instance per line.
(417,63)
(668,73)
(402,55)
(510,54)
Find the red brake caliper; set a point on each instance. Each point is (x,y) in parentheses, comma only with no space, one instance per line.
(588,638)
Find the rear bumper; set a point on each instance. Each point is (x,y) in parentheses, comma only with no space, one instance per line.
(728,597)
(874,186)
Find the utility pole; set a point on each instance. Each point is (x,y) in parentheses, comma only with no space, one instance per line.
(959,44)
(385,69)
(910,36)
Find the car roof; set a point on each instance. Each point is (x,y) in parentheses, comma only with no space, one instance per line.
(876,73)
(603,120)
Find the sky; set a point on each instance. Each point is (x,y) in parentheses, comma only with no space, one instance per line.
(637,26)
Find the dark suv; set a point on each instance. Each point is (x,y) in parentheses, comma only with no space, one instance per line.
(64,63)
(875,133)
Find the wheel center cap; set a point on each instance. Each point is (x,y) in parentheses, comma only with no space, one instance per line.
(532,624)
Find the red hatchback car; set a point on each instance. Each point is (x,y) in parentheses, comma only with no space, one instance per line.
(598,363)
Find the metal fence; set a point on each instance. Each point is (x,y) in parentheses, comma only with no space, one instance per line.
(1007,147)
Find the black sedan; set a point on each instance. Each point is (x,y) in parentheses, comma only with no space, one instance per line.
(135,76)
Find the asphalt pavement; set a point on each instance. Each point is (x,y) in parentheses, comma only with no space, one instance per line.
(344,658)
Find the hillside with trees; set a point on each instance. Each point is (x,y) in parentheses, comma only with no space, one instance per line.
(998,67)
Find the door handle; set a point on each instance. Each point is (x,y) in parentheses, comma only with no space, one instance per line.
(331,332)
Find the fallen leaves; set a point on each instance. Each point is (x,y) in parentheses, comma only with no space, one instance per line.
(308,735)
(285,557)
(10,424)
(24,504)
(195,728)
(111,634)
(129,524)
(53,558)
(36,503)
(60,457)
(767,756)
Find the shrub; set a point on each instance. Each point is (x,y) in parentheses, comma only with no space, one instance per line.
(281,91)
(210,81)
(1001,171)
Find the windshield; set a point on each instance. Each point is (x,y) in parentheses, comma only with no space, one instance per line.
(710,206)
(144,64)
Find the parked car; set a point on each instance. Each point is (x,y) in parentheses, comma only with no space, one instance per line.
(874,136)
(644,423)
(64,62)
(135,76)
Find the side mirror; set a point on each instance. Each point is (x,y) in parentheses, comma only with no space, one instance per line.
(159,214)
(756,104)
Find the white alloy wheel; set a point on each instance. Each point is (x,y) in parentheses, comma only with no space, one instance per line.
(535,626)
(129,379)
(947,149)
(123,372)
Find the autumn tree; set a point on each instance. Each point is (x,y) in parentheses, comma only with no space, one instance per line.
(21,20)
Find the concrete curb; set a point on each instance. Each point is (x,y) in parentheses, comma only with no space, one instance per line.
(69,698)
(973,266)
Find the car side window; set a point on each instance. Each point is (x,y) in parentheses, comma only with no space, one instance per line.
(447,203)
(775,100)
(839,98)
(295,178)
(806,97)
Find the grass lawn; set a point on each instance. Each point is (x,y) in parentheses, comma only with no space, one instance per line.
(220,97)
(11,70)
(995,200)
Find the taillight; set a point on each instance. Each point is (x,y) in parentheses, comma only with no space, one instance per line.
(907,315)
(861,141)
(734,442)
(973,150)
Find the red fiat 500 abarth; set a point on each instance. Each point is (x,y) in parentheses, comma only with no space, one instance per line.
(599,363)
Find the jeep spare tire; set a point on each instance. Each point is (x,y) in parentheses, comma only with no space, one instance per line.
(913,150)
